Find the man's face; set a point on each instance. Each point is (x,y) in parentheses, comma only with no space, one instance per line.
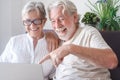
(63,24)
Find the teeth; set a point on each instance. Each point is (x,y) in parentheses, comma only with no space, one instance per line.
(35,29)
(60,29)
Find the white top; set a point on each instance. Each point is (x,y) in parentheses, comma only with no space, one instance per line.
(20,49)
(74,68)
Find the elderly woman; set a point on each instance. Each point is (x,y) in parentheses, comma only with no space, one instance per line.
(32,46)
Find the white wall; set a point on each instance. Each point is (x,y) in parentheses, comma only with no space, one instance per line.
(10,17)
(5,22)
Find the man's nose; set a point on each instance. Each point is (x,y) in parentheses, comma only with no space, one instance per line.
(57,24)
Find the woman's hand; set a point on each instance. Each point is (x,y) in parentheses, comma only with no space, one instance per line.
(52,40)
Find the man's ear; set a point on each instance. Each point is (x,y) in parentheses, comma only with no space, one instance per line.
(44,21)
(76,17)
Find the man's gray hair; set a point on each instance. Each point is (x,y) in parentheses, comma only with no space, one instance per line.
(67,6)
(34,6)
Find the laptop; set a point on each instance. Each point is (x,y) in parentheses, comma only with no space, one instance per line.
(15,71)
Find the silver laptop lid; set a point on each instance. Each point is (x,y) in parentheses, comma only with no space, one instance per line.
(15,71)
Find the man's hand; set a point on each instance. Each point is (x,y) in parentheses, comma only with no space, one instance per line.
(46,57)
(57,55)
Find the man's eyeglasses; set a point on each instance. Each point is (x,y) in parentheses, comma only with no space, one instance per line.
(28,22)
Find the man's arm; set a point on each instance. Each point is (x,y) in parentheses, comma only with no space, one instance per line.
(101,57)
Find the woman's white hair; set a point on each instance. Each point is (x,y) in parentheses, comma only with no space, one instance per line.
(34,6)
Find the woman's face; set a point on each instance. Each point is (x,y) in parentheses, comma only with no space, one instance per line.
(34,24)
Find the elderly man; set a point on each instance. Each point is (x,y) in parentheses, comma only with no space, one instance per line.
(83,54)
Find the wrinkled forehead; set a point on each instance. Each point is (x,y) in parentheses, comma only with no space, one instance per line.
(58,11)
(61,7)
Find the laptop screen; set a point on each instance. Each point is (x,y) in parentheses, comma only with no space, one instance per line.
(15,71)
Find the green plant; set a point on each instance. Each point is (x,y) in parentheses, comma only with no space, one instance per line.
(106,11)
(90,19)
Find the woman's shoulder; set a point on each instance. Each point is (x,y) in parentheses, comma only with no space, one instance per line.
(18,37)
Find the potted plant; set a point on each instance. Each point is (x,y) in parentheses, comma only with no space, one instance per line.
(106,10)
(90,19)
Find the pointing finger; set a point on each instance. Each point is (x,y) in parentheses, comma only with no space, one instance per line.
(46,57)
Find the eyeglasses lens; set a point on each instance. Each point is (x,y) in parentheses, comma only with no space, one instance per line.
(35,22)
